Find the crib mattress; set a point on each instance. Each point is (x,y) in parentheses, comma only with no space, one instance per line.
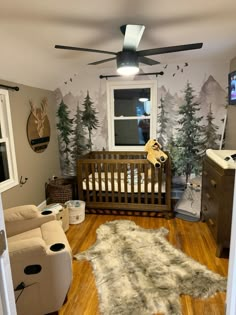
(95,185)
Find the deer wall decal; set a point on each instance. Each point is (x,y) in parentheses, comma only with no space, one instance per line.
(39,113)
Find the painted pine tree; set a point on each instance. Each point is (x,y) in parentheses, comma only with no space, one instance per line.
(79,145)
(188,138)
(171,115)
(89,118)
(104,130)
(210,139)
(161,123)
(173,151)
(64,126)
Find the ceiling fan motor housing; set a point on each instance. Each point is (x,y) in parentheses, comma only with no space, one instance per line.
(127,58)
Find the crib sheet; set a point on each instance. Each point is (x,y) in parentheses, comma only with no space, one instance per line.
(95,186)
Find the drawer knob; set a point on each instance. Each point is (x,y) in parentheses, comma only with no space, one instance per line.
(205,173)
(213,183)
(205,208)
(208,196)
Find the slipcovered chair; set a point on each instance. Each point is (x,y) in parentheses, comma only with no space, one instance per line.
(41,260)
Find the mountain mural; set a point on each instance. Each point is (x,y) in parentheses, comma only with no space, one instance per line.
(210,97)
(190,123)
(212,94)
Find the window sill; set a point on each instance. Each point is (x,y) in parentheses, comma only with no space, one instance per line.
(8,185)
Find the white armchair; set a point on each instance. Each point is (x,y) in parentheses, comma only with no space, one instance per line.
(41,260)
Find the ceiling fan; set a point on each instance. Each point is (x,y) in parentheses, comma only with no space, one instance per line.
(129,58)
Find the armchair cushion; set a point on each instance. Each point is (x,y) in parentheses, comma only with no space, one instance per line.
(22,248)
(21,213)
(48,234)
(24,218)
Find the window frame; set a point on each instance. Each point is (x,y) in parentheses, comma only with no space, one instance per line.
(141,84)
(8,139)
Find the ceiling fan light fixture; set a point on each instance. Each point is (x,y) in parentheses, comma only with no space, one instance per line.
(127,70)
(127,63)
(143,97)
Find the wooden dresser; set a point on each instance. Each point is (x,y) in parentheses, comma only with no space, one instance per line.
(217,201)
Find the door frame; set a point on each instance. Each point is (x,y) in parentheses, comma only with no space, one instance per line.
(231,284)
(6,286)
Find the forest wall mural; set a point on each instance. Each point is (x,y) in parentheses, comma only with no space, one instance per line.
(191,109)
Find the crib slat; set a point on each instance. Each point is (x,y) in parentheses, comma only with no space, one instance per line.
(80,179)
(87,181)
(153,185)
(146,179)
(160,171)
(119,171)
(112,183)
(132,182)
(168,182)
(139,182)
(99,170)
(106,181)
(125,183)
(93,182)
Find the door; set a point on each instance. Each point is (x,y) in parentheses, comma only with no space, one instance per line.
(7,298)
(231,288)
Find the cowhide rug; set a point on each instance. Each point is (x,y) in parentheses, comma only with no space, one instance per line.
(138,272)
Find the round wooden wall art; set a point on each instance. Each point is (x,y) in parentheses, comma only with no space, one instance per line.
(38,127)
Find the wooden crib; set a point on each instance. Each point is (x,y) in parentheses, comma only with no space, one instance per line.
(124,183)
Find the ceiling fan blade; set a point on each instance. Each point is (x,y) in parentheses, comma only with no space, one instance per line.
(133,35)
(85,49)
(101,61)
(148,61)
(170,49)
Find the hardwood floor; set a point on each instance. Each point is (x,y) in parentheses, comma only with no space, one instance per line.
(193,238)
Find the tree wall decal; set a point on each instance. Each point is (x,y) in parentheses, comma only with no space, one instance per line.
(89,118)
(210,139)
(79,142)
(162,123)
(65,127)
(188,138)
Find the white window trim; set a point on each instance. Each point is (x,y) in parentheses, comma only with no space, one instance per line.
(7,137)
(111,86)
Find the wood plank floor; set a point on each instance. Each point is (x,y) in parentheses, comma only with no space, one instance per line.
(194,239)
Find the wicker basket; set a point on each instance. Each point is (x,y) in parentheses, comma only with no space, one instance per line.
(58,190)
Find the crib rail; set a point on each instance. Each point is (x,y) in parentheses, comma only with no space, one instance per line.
(123,181)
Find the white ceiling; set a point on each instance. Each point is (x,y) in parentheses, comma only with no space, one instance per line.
(29,29)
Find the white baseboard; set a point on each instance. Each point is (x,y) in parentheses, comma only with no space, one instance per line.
(42,205)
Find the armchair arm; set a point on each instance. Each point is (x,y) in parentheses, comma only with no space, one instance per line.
(24,218)
(52,264)
(29,251)
(26,248)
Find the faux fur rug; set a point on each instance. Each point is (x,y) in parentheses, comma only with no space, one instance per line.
(138,272)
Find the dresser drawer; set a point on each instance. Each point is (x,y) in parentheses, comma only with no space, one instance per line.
(211,180)
(210,213)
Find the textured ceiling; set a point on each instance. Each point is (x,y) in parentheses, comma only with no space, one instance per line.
(30,29)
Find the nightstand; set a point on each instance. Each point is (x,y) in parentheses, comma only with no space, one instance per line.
(62,214)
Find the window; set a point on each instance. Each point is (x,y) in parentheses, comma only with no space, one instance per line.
(131,114)
(8,170)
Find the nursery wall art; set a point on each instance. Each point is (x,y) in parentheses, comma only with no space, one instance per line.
(191,110)
(38,127)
